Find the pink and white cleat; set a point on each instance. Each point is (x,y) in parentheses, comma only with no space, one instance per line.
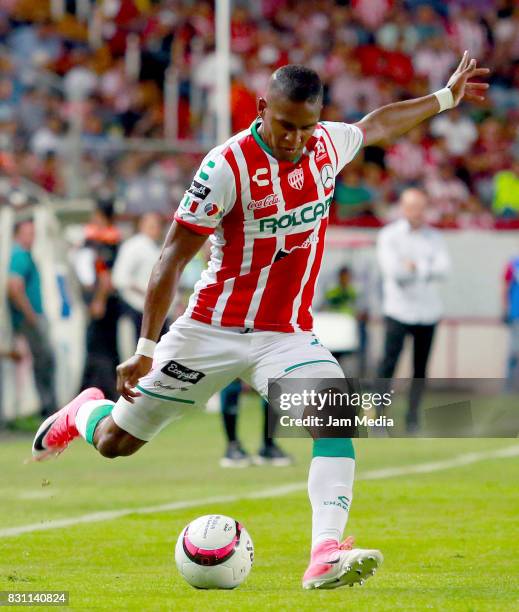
(58,430)
(333,565)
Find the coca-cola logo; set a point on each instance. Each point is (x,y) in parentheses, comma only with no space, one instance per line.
(271,200)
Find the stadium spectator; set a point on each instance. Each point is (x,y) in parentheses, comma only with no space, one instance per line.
(412,259)
(47,174)
(94,265)
(352,196)
(489,156)
(458,130)
(506,192)
(13,355)
(270,453)
(133,265)
(7,102)
(49,138)
(408,158)
(368,53)
(399,28)
(434,61)
(372,13)
(511,316)
(469,31)
(343,297)
(27,315)
(446,192)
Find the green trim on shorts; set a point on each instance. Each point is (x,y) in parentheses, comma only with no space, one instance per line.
(163,397)
(97,414)
(333,447)
(303,363)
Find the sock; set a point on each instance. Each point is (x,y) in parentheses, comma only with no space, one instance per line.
(330,487)
(229,422)
(229,400)
(268,414)
(89,415)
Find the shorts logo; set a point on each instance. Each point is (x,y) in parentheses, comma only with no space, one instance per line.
(180,372)
(296,178)
(210,209)
(261,182)
(159,385)
(327,176)
(198,190)
(271,200)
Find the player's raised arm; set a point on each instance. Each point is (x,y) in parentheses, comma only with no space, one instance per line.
(389,122)
(180,246)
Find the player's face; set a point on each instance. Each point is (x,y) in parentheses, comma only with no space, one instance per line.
(287,125)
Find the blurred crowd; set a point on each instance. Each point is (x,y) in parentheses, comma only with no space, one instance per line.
(74,88)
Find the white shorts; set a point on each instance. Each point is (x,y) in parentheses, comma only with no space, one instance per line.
(195,360)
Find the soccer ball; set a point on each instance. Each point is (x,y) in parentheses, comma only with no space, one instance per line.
(214,552)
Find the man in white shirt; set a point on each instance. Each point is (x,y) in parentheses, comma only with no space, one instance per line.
(135,260)
(413,258)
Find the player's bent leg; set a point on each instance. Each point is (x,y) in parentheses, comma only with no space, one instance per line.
(111,441)
(58,430)
(89,415)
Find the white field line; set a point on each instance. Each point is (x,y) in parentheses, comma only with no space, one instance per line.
(107,515)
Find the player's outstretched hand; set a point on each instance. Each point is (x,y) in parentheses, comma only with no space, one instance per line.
(460,84)
(128,374)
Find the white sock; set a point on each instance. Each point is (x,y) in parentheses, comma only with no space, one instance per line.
(89,414)
(330,488)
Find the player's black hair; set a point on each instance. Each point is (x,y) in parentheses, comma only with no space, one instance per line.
(344,270)
(298,83)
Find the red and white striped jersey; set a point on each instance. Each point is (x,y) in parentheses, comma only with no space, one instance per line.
(267,220)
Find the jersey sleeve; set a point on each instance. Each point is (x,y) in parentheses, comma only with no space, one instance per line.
(210,196)
(346,141)
(19,264)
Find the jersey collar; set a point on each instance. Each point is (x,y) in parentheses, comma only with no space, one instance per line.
(262,144)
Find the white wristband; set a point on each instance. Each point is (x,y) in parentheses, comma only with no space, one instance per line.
(145,347)
(445,98)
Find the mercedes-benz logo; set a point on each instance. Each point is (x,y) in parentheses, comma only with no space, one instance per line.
(327,176)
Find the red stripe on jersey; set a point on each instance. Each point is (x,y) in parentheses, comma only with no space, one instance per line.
(239,301)
(333,146)
(238,304)
(198,229)
(288,173)
(279,295)
(304,316)
(258,170)
(233,226)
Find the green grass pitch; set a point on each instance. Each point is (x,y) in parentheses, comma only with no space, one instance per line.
(449,537)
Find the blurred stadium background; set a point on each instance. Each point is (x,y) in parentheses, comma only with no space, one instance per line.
(120,99)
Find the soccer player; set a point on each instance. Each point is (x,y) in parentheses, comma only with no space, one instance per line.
(263,198)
